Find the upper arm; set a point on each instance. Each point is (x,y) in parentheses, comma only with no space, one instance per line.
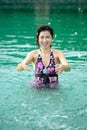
(29,58)
(62,58)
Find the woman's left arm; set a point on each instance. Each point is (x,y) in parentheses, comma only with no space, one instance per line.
(64,65)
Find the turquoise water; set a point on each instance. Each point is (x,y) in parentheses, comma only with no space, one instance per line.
(25,108)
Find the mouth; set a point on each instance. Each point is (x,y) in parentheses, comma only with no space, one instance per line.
(45,44)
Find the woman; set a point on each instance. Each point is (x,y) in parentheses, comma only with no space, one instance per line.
(48,62)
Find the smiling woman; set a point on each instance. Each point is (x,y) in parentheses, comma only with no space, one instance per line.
(48,62)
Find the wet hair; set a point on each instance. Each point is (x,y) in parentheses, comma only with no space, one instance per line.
(44,28)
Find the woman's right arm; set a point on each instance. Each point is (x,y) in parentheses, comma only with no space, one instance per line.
(24,64)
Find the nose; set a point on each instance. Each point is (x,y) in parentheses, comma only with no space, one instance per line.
(45,39)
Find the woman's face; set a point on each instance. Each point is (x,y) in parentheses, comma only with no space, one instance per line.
(45,39)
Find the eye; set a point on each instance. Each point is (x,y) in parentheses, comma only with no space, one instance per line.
(48,37)
(42,37)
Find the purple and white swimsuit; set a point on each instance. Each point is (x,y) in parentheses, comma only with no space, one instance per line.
(45,76)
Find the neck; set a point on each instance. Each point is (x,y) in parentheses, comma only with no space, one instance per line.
(45,50)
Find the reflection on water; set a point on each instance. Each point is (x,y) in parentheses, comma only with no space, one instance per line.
(23,107)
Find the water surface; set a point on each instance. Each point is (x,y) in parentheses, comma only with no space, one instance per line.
(25,108)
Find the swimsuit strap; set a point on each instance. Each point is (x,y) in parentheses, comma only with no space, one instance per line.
(51,53)
(52,59)
(40,56)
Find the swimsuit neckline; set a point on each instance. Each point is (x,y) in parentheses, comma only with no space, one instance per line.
(49,61)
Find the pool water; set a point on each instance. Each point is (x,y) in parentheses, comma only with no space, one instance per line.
(25,108)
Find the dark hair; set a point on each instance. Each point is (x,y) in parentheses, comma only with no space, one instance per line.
(43,28)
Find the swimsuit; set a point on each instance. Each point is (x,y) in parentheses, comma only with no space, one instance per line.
(45,76)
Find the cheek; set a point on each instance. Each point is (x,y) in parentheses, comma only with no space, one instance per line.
(39,40)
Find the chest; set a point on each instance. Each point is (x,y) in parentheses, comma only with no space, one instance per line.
(45,59)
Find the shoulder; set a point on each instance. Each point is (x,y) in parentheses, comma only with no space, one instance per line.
(57,52)
(33,52)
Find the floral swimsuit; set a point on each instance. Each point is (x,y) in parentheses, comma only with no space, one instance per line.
(45,76)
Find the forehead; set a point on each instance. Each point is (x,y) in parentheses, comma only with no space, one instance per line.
(44,33)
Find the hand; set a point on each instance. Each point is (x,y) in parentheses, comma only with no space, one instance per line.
(22,66)
(25,66)
(58,68)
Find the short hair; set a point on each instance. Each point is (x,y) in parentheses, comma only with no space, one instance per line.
(43,28)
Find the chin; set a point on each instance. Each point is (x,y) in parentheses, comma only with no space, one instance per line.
(46,46)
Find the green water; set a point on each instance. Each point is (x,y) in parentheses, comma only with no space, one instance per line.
(25,108)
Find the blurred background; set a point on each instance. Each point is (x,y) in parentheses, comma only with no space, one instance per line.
(44,4)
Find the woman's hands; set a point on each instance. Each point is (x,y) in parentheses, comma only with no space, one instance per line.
(22,66)
(59,68)
(25,66)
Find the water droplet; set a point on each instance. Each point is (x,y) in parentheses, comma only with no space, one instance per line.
(75,33)
(49,23)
